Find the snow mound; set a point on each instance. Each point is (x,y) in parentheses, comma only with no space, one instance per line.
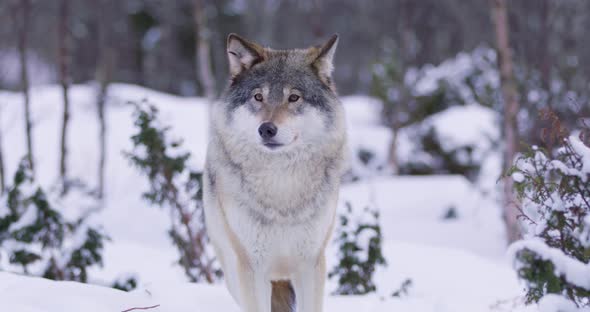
(26,294)
(471,125)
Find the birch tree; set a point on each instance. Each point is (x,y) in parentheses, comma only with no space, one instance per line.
(104,71)
(511,107)
(203,48)
(2,172)
(64,62)
(21,16)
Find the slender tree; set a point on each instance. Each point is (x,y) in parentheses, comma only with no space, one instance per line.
(2,172)
(103,76)
(511,107)
(203,48)
(21,16)
(64,62)
(401,63)
(545,52)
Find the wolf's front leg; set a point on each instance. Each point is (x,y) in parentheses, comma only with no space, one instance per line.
(255,290)
(309,285)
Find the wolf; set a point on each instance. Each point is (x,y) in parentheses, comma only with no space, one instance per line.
(275,157)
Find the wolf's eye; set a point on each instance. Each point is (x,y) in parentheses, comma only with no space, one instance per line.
(258,97)
(293,98)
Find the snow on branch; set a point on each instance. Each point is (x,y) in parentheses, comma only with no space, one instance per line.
(574,271)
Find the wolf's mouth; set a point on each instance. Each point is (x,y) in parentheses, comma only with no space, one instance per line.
(272,145)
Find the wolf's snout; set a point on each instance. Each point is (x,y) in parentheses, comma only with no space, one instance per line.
(267,130)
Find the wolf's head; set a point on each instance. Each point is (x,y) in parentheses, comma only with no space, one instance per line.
(280,100)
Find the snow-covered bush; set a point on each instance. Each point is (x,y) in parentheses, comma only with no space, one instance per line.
(37,239)
(441,116)
(460,140)
(554,256)
(126,282)
(174,186)
(359,239)
(411,95)
(456,141)
(469,78)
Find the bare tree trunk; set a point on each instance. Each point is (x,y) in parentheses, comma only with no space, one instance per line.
(101,103)
(393,160)
(102,136)
(545,49)
(404,58)
(511,107)
(203,49)
(103,76)
(23,29)
(2,172)
(64,60)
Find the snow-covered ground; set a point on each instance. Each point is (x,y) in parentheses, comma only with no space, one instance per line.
(454,265)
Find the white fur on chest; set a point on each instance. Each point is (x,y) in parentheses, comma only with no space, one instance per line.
(278,250)
(281,217)
(285,194)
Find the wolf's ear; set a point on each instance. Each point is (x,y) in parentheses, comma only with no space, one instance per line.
(242,54)
(323,61)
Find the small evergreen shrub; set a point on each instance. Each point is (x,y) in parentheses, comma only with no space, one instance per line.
(36,239)
(439,160)
(359,240)
(125,282)
(175,187)
(554,191)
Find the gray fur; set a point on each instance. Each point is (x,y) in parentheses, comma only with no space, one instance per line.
(282,68)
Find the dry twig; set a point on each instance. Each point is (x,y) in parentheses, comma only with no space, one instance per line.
(141,308)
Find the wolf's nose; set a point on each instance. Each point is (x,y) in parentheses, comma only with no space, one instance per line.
(267,130)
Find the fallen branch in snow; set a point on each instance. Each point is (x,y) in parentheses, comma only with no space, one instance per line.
(141,308)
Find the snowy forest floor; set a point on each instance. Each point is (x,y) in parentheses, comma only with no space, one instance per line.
(454,264)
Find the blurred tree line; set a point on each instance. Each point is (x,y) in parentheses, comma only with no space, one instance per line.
(154,42)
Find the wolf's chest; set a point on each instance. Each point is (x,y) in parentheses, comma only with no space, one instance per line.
(280,247)
(289,197)
(281,216)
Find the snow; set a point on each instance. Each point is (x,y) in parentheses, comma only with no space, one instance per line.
(455,265)
(422,201)
(584,152)
(584,236)
(466,126)
(458,129)
(552,303)
(435,287)
(28,218)
(518,177)
(17,292)
(366,135)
